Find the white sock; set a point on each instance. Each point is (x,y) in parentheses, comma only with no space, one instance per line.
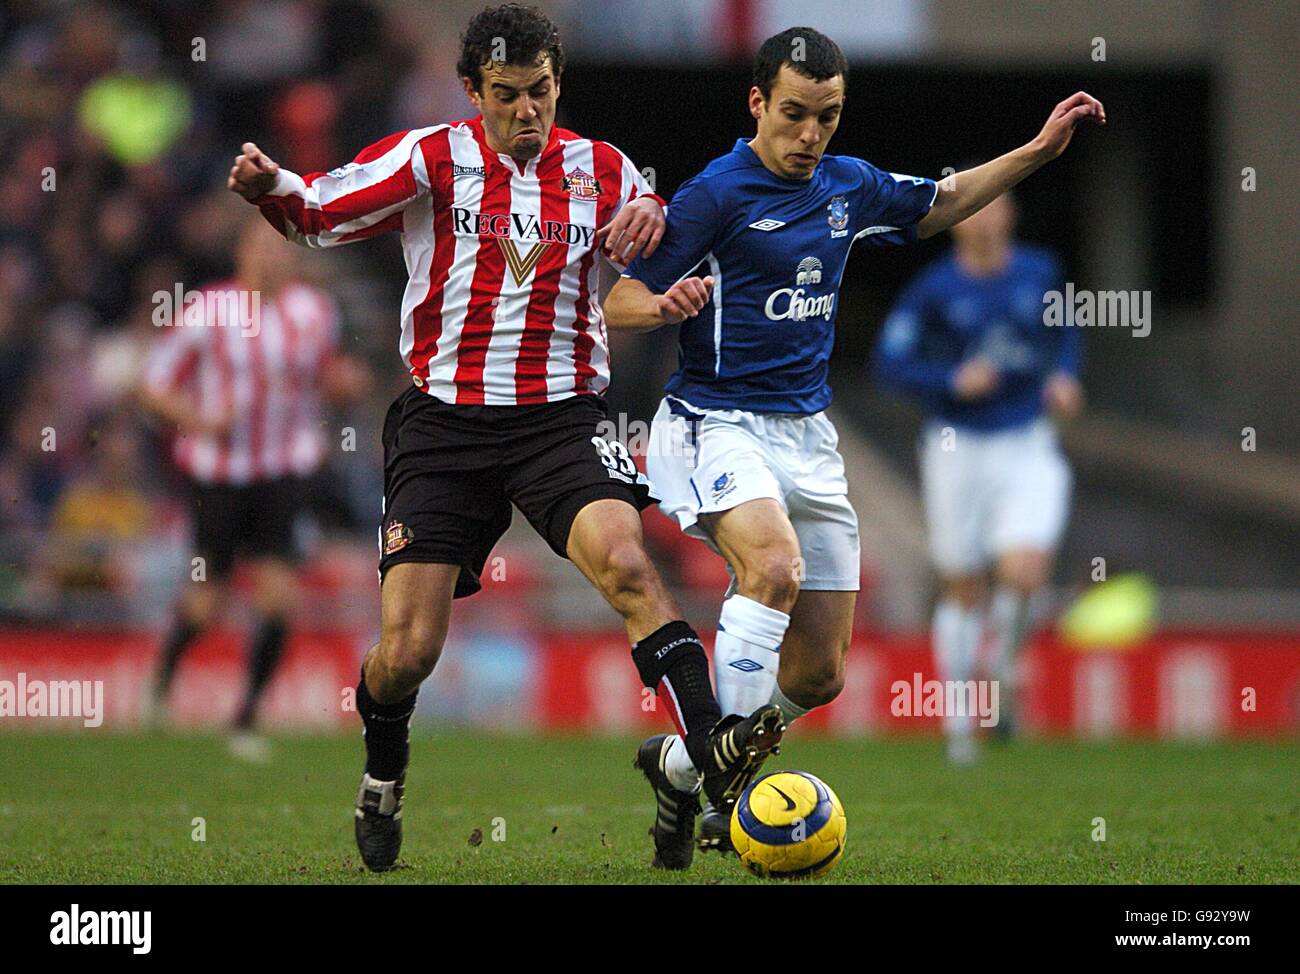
(956,633)
(746,654)
(790,710)
(1008,622)
(677,765)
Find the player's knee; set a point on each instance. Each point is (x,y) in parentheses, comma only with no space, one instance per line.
(772,578)
(625,570)
(411,651)
(968,591)
(1024,574)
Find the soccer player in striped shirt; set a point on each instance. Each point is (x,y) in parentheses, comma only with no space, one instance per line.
(742,452)
(240,376)
(503,220)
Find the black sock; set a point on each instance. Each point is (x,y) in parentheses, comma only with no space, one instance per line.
(388,732)
(264,655)
(673,656)
(179,638)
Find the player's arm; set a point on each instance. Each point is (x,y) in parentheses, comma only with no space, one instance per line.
(638,226)
(658,291)
(362,199)
(1062,390)
(969,191)
(900,365)
(631,306)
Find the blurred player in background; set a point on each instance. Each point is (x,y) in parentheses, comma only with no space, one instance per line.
(741,449)
(967,339)
(503,219)
(241,379)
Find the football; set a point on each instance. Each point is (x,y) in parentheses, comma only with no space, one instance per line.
(788,825)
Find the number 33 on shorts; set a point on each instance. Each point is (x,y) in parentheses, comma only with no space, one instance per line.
(616,459)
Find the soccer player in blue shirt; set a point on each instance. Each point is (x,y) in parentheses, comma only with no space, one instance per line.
(741,453)
(967,339)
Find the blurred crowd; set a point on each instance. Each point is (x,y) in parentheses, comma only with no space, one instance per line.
(120,121)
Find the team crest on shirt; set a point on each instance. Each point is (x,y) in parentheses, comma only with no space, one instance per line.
(581,185)
(837,215)
(396,537)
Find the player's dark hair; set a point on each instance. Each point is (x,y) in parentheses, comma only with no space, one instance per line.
(809,52)
(512,34)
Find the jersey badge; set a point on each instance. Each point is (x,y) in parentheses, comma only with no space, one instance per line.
(837,215)
(581,185)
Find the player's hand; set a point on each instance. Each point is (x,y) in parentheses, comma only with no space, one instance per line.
(685,299)
(253,173)
(976,378)
(1063,395)
(635,231)
(1056,134)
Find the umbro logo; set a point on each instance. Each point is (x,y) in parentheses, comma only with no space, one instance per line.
(746,665)
(767,223)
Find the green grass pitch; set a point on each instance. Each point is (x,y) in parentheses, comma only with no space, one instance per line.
(120,808)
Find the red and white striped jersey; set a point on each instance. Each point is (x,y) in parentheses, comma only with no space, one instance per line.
(262,375)
(501,305)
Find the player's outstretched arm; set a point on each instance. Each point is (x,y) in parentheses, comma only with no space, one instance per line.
(362,199)
(967,192)
(631,306)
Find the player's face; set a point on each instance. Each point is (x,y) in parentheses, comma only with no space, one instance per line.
(796,121)
(990,228)
(518,106)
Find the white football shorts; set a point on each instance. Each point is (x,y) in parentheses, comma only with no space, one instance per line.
(987,493)
(714,459)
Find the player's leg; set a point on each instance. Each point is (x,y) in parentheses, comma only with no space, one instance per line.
(1029,518)
(203,590)
(265,521)
(273,596)
(415,612)
(444,511)
(955,496)
(815,651)
(816,646)
(584,495)
(955,632)
(762,549)
(606,544)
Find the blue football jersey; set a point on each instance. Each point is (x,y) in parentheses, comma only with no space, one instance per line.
(776,248)
(945,316)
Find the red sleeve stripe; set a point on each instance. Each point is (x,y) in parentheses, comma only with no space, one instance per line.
(426,318)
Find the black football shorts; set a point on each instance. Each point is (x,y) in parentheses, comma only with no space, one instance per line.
(451,474)
(253,520)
